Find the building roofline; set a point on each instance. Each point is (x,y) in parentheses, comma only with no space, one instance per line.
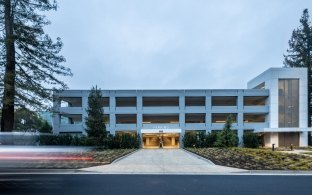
(277,69)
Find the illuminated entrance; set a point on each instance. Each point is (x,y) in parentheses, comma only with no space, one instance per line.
(166,138)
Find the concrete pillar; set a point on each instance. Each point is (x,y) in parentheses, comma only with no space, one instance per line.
(208,111)
(112,115)
(173,141)
(147,141)
(182,111)
(303,140)
(84,111)
(182,115)
(240,116)
(274,139)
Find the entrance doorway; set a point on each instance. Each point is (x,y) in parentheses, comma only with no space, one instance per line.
(287,139)
(161,140)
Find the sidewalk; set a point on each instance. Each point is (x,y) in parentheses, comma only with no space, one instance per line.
(162,161)
(298,151)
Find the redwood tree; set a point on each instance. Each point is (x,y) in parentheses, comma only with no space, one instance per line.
(30,62)
(300,54)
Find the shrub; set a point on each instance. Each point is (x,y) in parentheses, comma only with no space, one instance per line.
(45,127)
(211,138)
(126,140)
(122,141)
(226,139)
(64,140)
(79,141)
(251,140)
(189,139)
(48,139)
(196,139)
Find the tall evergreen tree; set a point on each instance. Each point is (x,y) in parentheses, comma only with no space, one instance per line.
(95,122)
(227,137)
(300,53)
(30,62)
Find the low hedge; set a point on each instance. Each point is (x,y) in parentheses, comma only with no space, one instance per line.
(251,140)
(203,140)
(200,139)
(124,141)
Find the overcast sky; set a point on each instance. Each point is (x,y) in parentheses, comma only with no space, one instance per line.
(173,44)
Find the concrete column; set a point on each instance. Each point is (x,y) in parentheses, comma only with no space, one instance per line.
(139,111)
(147,141)
(56,117)
(56,123)
(240,133)
(112,123)
(274,139)
(182,115)
(240,116)
(139,100)
(182,110)
(173,141)
(139,122)
(303,140)
(85,99)
(112,102)
(208,111)
(112,115)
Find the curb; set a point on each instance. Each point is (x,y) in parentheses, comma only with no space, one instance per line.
(200,157)
(278,172)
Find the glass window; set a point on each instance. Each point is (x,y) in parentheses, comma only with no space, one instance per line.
(288,102)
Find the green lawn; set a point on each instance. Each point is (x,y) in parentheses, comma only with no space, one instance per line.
(254,159)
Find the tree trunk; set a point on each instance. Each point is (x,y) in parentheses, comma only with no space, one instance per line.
(7,119)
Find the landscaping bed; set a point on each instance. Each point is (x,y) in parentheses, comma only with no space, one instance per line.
(66,160)
(254,159)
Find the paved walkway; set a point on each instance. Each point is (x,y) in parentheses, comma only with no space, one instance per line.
(298,151)
(162,161)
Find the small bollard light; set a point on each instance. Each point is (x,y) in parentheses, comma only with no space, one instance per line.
(273,147)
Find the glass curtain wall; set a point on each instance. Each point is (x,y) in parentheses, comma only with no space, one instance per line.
(288,102)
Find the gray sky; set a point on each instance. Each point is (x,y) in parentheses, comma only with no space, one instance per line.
(173,44)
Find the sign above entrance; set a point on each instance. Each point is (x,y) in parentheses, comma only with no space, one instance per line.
(160,130)
(160,127)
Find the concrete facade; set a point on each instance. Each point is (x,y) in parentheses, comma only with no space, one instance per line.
(183,115)
(270,80)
